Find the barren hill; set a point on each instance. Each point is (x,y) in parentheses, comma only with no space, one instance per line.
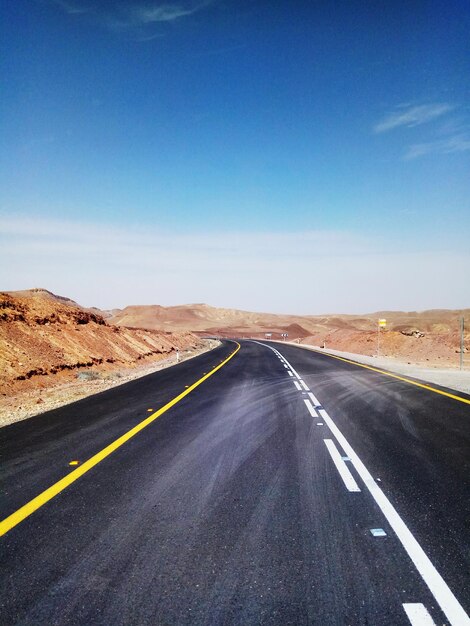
(46,338)
(202,318)
(38,293)
(205,318)
(425,336)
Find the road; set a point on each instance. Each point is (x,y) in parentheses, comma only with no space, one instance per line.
(241,487)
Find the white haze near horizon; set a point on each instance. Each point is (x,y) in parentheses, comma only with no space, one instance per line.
(307,272)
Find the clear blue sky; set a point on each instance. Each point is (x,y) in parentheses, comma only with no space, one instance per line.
(230,152)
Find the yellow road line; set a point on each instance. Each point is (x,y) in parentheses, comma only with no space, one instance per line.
(406,380)
(33,505)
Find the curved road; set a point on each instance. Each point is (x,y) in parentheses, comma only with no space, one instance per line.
(263,484)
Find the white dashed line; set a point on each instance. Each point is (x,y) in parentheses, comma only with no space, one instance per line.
(297,386)
(417,614)
(290,373)
(348,479)
(453,610)
(310,408)
(313,399)
(304,385)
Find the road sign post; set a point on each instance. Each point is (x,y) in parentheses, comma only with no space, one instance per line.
(462,342)
(381,324)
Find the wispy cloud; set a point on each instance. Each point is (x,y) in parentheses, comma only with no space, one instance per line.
(449,133)
(136,18)
(456,143)
(164,12)
(409,116)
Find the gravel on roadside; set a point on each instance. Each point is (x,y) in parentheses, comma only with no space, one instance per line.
(86,384)
(458,380)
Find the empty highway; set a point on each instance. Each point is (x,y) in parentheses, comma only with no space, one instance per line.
(255,484)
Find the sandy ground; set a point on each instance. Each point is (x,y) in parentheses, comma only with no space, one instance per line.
(33,402)
(453,378)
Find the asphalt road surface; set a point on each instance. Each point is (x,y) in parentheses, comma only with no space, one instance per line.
(284,487)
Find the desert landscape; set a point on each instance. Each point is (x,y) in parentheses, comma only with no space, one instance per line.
(54,351)
(427,337)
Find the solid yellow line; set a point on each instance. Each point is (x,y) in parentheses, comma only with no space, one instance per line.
(406,380)
(33,505)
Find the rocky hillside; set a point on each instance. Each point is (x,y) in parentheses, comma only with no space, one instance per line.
(430,337)
(44,338)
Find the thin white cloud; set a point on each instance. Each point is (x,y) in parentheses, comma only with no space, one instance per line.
(450,135)
(409,116)
(127,16)
(297,272)
(163,13)
(456,143)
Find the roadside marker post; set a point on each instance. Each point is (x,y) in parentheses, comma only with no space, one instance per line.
(462,346)
(382,323)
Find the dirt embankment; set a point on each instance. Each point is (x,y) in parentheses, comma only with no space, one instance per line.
(46,344)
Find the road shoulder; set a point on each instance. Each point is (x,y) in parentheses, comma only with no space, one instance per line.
(458,380)
(24,406)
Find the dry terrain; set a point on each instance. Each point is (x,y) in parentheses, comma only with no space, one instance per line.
(53,351)
(428,337)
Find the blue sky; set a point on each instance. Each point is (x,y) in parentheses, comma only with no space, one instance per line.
(299,157)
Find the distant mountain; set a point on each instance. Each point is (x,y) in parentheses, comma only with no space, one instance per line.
(208,319)
(203,318)
(423,336)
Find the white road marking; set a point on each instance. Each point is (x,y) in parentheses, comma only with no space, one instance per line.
(348,478)
(310,408)
(297,385)
(313,399)
(417,614)
(280,356)
(290,373)
(453,610)
(378,532)
(285,366)
(304,385)
(319,423)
